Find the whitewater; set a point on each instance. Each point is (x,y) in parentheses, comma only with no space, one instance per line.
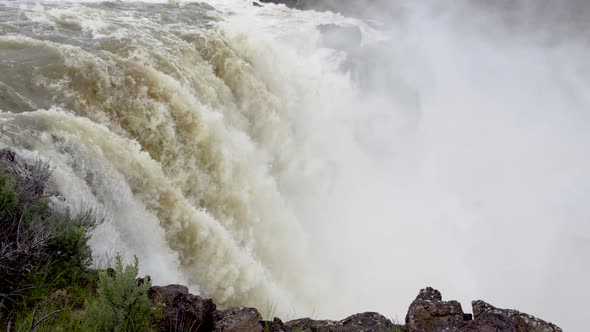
(245,152)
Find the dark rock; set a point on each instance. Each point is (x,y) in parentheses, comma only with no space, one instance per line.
(429,294)
(489,318)
(364,322)
(141,281)
(429,313)
(7,156)
(288,3)
(276,325)
(310,325)
(182,311)
(238,320)
(490,324)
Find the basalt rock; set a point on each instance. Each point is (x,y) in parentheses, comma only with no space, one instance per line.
(366,322)
(276,325)
(310,325)
(489,318)
(238,320)
(363,322)
(429,313)
(182,311)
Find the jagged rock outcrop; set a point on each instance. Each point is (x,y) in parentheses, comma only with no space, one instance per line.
(182,311)
(310,325)
(489,318)
(238,320)
(427,313)
(363,322)
(276,325)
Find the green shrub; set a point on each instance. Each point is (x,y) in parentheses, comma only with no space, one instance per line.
(8,198)
(121,304)
(68,254)
(22,241)
(46,283)
(69,242)
(41,250)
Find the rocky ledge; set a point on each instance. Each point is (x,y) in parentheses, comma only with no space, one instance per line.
(428,312)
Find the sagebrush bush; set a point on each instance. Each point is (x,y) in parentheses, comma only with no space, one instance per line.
(23,238)
(122,304)
(41,250)
(46,283)
(118,304)
(24,232)
(68,252)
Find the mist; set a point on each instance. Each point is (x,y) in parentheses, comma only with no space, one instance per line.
(456,157)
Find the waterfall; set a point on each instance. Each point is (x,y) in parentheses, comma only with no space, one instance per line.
(305,162)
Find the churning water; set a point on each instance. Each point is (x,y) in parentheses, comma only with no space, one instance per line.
(265,161)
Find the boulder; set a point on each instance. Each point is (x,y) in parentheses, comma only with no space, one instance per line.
(489,318)
(366,322)
(310,325)
(363,322)
(239,319)
(182,311)
(428,312)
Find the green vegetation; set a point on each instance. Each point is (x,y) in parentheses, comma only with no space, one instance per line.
(46,280)
(121,304)
(270,314)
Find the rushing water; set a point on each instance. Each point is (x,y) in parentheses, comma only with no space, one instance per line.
(246,153)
